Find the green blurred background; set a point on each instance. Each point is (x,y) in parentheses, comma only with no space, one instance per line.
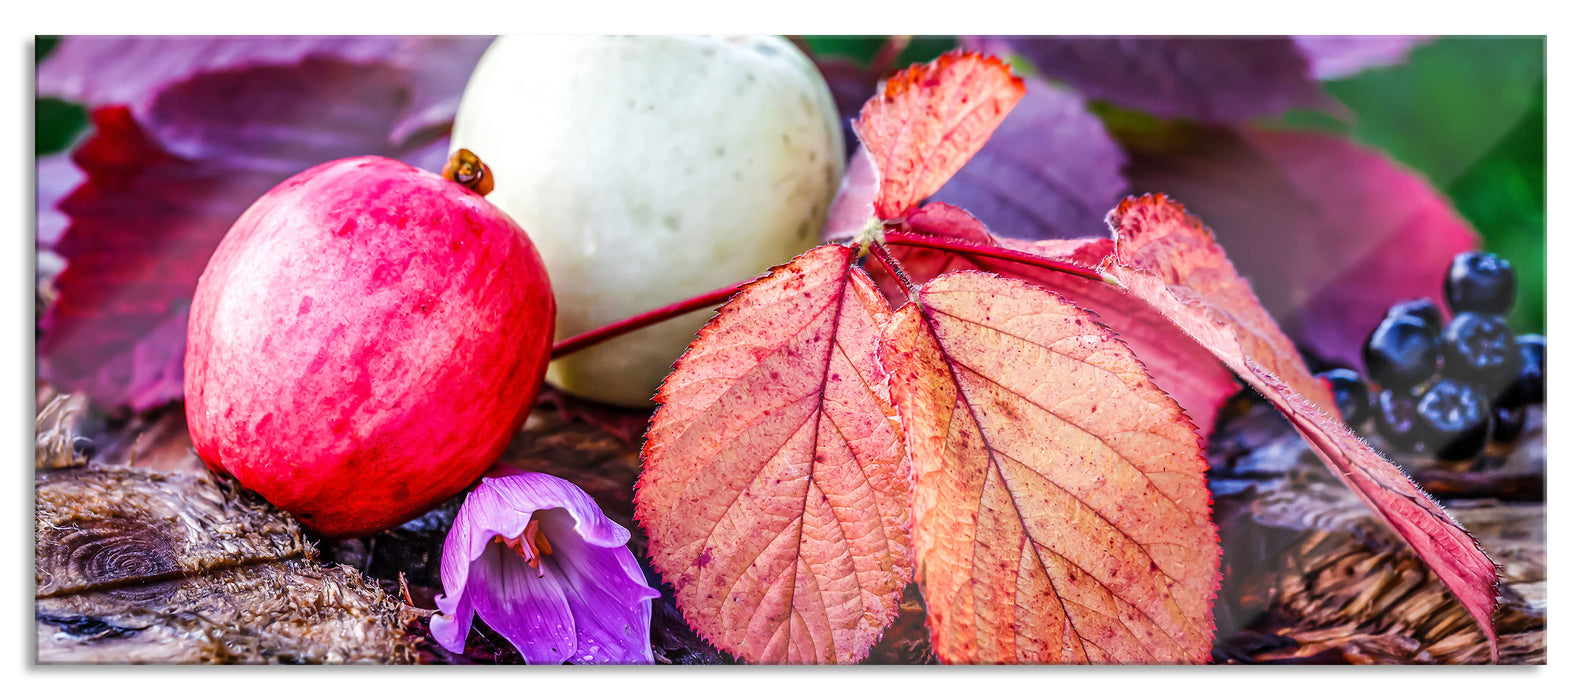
(1466,112)
(55,123)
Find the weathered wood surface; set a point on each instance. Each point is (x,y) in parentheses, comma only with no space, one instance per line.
(141,555)
(58,433)
(1311,576)
(287,611)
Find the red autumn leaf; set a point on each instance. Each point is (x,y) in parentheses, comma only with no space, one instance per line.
(1187,372)
(1329,233)
(1059,509)
(774,487)
(953,223)
(929,121)
(1168,259)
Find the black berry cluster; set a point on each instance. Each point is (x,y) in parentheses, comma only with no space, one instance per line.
(1447,389)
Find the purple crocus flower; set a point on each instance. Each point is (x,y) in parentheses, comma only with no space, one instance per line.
(534,557)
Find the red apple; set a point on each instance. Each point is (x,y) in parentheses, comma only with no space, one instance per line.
(364,343)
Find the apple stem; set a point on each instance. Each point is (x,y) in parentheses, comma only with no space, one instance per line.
(893,266)
(465,168)
(643,320)
(893,237)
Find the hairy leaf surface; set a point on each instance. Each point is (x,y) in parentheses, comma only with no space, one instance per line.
(774,483)
(1185,370)
(1167,258)
(929,121)
(1059,510)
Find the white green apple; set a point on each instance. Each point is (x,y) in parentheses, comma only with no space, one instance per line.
(648,170)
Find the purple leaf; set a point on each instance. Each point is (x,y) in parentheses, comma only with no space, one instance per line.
(851,85)
(1331,57)
(57,177)
(1212,79)
(1329,233)
(853,203)
(280,118)
(205,133)
(133,70)
(1049,171)
(105,70)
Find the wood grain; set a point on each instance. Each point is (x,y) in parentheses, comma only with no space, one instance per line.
(142,555)
(1312,577)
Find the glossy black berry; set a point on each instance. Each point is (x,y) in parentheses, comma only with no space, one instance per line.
(1528,386)
(1396,419)
(1480,281)
(1403,351)
(1421,308)
(1508,423)
(1351,395)
(1481,350)
(1453,419)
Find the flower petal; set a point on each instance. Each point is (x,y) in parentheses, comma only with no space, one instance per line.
(532,491)
(525,607)
(587,603)
(453,622)
(607,594)
(482,516)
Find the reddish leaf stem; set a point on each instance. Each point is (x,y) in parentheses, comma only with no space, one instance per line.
(893,237)
(894,267)
(643,320)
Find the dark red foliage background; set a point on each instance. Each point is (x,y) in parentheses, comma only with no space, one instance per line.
(185,133)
